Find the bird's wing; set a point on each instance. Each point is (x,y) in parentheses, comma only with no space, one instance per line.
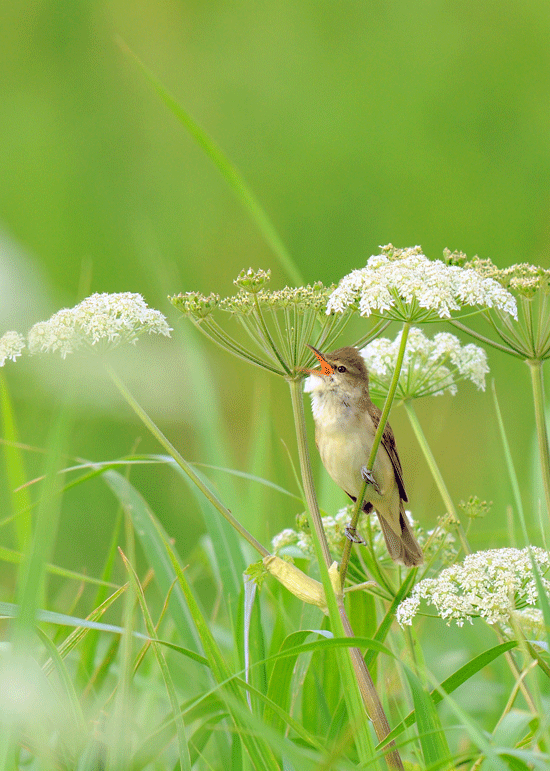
(388,443)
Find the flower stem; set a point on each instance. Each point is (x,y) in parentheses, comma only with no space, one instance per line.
(535,367)
(486,340)
(320,542)
(376,443)
(514,481)
(436,473)
(335,602)
(267,335)
(183,464)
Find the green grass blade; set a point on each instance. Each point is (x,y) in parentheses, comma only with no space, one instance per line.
(229,562)
(449,685)
(432,739)
(10,610)
(208,712)
(147,531)
(32,570)
(279,689)
(230,173)
(15,470)
(510,466)
(89,648)
(206,489)
(388,619)
(83,630)
(258,750)
(15,558)
(185,611)
(185,760)
(66,682)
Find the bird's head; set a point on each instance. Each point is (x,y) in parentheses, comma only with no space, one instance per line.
(343,370)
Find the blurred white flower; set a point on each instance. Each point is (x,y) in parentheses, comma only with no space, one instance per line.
(430,367)
(287,537)
(107,319)
(530,621)
(488,584)
(408,286)
(11,346)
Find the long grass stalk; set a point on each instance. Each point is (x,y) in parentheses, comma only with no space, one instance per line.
(436,473)
(184,465)
(358,677)
(535,368)
(228,170)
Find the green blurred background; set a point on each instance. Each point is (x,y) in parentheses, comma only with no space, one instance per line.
(355,123)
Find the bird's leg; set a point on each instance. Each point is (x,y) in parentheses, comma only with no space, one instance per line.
(352,535)
(368,477)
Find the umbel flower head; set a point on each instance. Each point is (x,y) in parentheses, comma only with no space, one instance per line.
(488,584)
(522,278)
(430,366)
(405,285)
(527,334)
(278,322)
(11,346)
(101,320)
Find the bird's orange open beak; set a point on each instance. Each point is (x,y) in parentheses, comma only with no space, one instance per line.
(326,368)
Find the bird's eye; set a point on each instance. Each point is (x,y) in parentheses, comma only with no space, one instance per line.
(342,369)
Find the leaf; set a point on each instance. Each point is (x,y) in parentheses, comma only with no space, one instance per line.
(452,683)
(432,739)
(185,760)
(386,623)
(147,531)
(15,468)
(67,683)
(279,689)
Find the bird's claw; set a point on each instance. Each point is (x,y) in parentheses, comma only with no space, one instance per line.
(368,477)
(351,534)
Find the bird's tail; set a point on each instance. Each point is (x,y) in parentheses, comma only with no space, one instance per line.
(404,548)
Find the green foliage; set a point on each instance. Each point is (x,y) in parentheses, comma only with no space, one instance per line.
(164,681)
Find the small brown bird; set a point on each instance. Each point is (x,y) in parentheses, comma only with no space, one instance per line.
(345,424)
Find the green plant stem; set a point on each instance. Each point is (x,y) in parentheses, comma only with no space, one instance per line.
(376,443)
(486,340)
(305,467)
(535,367)
(436,473)
(510,466)
(267,336)
(183,464)
(517,674)
(335,601)
(15,469)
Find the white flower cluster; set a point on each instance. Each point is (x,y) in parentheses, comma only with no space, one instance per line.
(409,286)
(438,543)
(11,346)
(488,584)
(101,318)
(430,367)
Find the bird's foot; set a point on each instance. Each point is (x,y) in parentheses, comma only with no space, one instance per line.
(368,477)
(351,534)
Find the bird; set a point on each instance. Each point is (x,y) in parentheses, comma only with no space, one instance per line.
(345,425)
